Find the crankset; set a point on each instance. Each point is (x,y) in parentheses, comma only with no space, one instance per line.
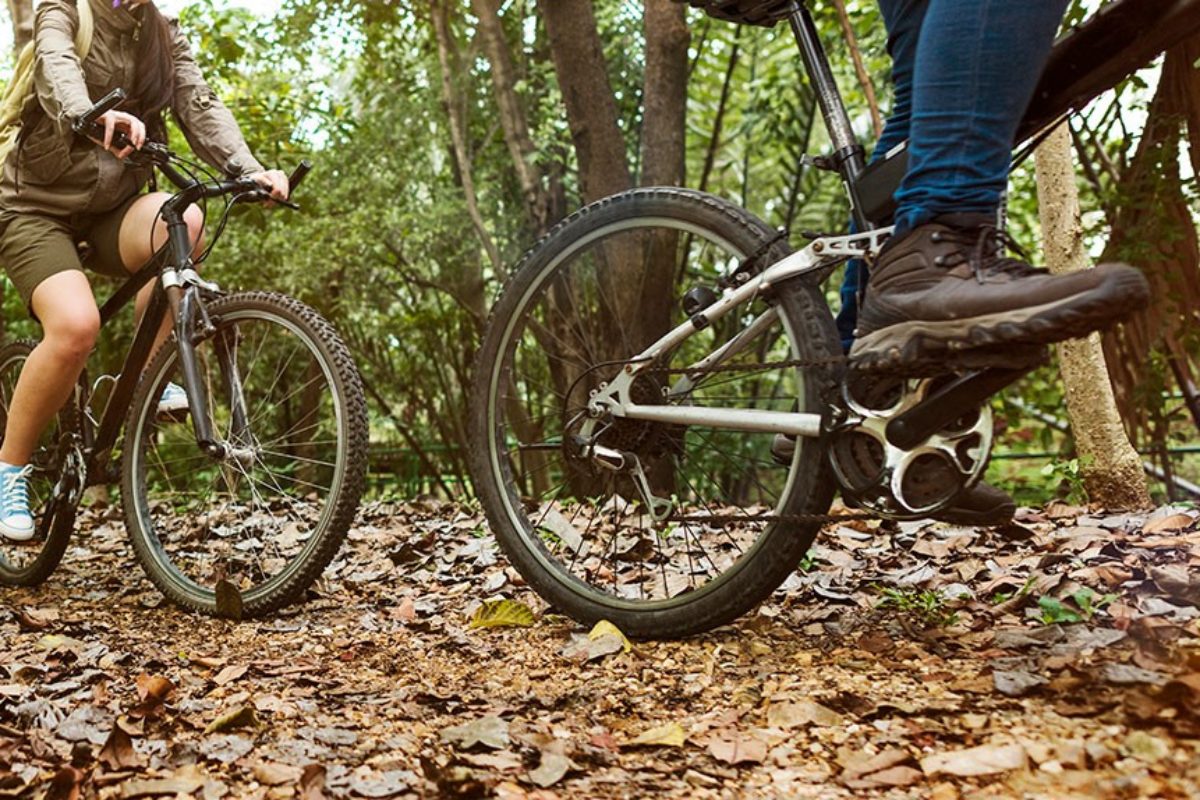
(72,475)
(908,448)
(904,482)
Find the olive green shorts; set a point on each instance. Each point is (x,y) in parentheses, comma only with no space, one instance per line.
(35,246)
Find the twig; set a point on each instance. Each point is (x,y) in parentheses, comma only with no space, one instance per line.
(859,67)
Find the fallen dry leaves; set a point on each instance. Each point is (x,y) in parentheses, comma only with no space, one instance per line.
(1054,658)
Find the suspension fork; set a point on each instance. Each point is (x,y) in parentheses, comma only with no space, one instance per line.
(192,326)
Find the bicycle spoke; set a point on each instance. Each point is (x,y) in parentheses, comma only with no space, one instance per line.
(248,515)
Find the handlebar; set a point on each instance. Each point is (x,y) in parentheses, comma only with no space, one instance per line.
(157,154)
(107,103)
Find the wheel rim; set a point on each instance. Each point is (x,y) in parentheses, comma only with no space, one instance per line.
(19,558)
(254,519)
(560,523)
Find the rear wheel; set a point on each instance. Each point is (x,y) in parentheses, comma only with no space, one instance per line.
(697,524)
(260,523)
(53,483)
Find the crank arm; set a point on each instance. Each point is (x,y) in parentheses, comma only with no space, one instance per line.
(940,409)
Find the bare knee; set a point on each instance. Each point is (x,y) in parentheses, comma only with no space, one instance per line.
(67,310)
(195,222)
(72,334)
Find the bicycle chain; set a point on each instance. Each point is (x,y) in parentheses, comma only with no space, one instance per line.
(762,366)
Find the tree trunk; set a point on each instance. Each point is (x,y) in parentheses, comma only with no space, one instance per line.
(664,97)
(447,58)
(1112,470)
(664,93)
(538,200)
(21,14)
(591,108)
(1153,228)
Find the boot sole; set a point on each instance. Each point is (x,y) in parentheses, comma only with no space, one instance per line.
(921,348)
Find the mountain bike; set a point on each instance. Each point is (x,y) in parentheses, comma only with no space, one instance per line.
(666,462)
(237,510)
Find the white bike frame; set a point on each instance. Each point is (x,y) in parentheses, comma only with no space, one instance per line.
(615,399)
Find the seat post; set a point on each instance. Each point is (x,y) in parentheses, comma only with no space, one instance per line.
(848,153)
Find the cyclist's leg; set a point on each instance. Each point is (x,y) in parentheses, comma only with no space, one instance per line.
(943,282)
(125,239)
(977,62)
(64,304)
(903,19)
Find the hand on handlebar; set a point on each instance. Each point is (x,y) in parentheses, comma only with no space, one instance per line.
(118,121)
(274,181)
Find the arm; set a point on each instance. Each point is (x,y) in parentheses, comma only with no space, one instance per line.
(58,77)
(209,127)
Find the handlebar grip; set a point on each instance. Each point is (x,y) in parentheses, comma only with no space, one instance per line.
(299,174)
(107,103)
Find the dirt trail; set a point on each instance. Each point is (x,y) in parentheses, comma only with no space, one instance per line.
(1056,658)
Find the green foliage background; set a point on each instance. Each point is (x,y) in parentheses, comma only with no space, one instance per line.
(384,246)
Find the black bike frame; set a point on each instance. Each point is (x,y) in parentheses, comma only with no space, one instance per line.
(191,325)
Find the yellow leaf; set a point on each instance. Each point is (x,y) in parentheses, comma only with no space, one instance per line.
(502,613)
(669,735)
(606,628)
(241,717)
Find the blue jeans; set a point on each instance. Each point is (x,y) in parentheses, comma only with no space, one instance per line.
(964,72)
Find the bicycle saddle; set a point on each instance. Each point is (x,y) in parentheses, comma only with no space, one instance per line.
(747,12)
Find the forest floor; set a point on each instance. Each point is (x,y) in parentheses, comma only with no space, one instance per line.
(1055,658)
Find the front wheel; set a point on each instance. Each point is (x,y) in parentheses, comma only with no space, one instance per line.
(261,521)
(693,525)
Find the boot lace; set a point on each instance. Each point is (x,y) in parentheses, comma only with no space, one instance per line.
(984,250)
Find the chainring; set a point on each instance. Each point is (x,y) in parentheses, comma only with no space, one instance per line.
(877,476)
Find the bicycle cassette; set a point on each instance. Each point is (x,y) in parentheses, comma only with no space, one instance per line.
(904,484)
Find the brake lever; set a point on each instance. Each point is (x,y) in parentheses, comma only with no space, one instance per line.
(259,196)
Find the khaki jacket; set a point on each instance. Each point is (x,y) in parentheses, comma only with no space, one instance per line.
(55,172)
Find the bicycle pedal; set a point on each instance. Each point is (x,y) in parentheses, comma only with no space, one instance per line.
(1019,356)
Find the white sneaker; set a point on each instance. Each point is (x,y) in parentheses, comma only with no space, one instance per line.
(16,523)
(174,402)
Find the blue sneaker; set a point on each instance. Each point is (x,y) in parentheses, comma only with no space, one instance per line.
(174,402)
(16,523)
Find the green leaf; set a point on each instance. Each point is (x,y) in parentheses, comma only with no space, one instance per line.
(502,614)
(1054,611)
(241,717)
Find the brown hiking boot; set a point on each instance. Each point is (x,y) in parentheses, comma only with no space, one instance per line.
(947,288)
(982,504)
